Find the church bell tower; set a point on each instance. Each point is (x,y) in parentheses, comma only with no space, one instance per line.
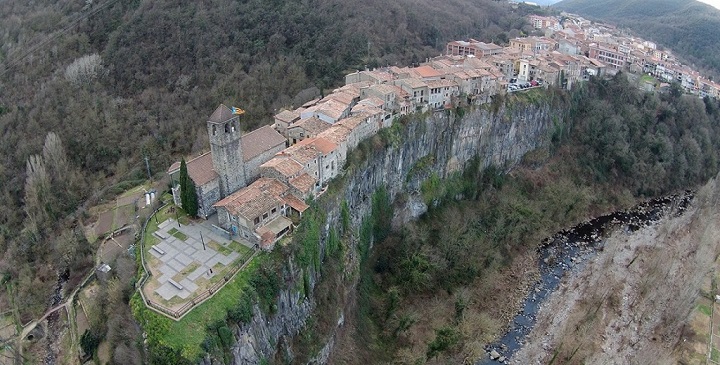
(226,148)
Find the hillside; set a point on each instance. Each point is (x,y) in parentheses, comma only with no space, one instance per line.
(87,89)
(685,26)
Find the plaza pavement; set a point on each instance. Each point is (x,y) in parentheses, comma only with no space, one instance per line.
(177,255)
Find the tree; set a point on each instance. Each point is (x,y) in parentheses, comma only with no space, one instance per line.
(188,196)
(85,70)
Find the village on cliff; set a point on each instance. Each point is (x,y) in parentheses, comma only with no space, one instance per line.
(254,183)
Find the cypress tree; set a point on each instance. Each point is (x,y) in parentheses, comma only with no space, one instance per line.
(188,196)
(191,207)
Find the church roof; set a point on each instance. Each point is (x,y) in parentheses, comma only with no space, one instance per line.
(221,114)
(200,169)
(260,140)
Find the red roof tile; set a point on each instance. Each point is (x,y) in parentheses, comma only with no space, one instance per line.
(284,165)
(200,169)
(295,203)
(427,71)
(303,183)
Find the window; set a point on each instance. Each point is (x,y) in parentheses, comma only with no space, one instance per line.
(265,215)
(257,220)
(273,210)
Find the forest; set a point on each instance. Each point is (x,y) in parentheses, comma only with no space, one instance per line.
(89,89)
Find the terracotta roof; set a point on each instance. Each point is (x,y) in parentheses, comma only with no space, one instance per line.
(413,83)
(365,109)
(312,125)
(336,134)
(427,71)
(319,144)
(221,114)
(379,75)
(303,183)
(255,199)
(287,116)
(352,122)
(383,89)
(295,203)
(341,96)
(284,165)
(300,153)
(274,186)
(462,75)
(200,169)
(259,141)
(373,101)
(354,88)
(332,108)
(311,103)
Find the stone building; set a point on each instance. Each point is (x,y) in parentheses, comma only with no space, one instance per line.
(259,212)
(233,161)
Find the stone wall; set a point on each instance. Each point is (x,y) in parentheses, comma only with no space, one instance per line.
(500,138)
(208,195)
(252,167)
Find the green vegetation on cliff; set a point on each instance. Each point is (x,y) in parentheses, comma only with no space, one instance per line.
(439,289)
(97,75)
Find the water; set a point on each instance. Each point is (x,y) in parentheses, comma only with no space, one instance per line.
(568,250)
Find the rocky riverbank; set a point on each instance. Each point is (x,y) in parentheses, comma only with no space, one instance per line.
(567,252)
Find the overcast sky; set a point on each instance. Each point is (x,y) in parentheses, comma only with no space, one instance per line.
(715,3)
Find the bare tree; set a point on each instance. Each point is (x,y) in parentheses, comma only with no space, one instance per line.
(85,70)
(37,189)
(54,155)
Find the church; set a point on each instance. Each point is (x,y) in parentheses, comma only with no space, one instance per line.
(224,178)
(255,182)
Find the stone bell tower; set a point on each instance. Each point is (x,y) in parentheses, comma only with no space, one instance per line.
(226,148)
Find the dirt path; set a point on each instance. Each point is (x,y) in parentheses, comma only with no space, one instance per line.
(630,303)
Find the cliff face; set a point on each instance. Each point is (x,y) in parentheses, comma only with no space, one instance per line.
(500,138)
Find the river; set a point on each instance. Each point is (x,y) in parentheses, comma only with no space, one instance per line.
(567,251)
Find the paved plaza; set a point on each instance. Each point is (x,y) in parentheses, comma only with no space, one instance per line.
(181,252)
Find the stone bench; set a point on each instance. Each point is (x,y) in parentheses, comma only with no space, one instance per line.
(161,235)
(154,248)
(171,281)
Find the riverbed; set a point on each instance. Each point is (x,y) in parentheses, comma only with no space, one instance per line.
(565,253)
